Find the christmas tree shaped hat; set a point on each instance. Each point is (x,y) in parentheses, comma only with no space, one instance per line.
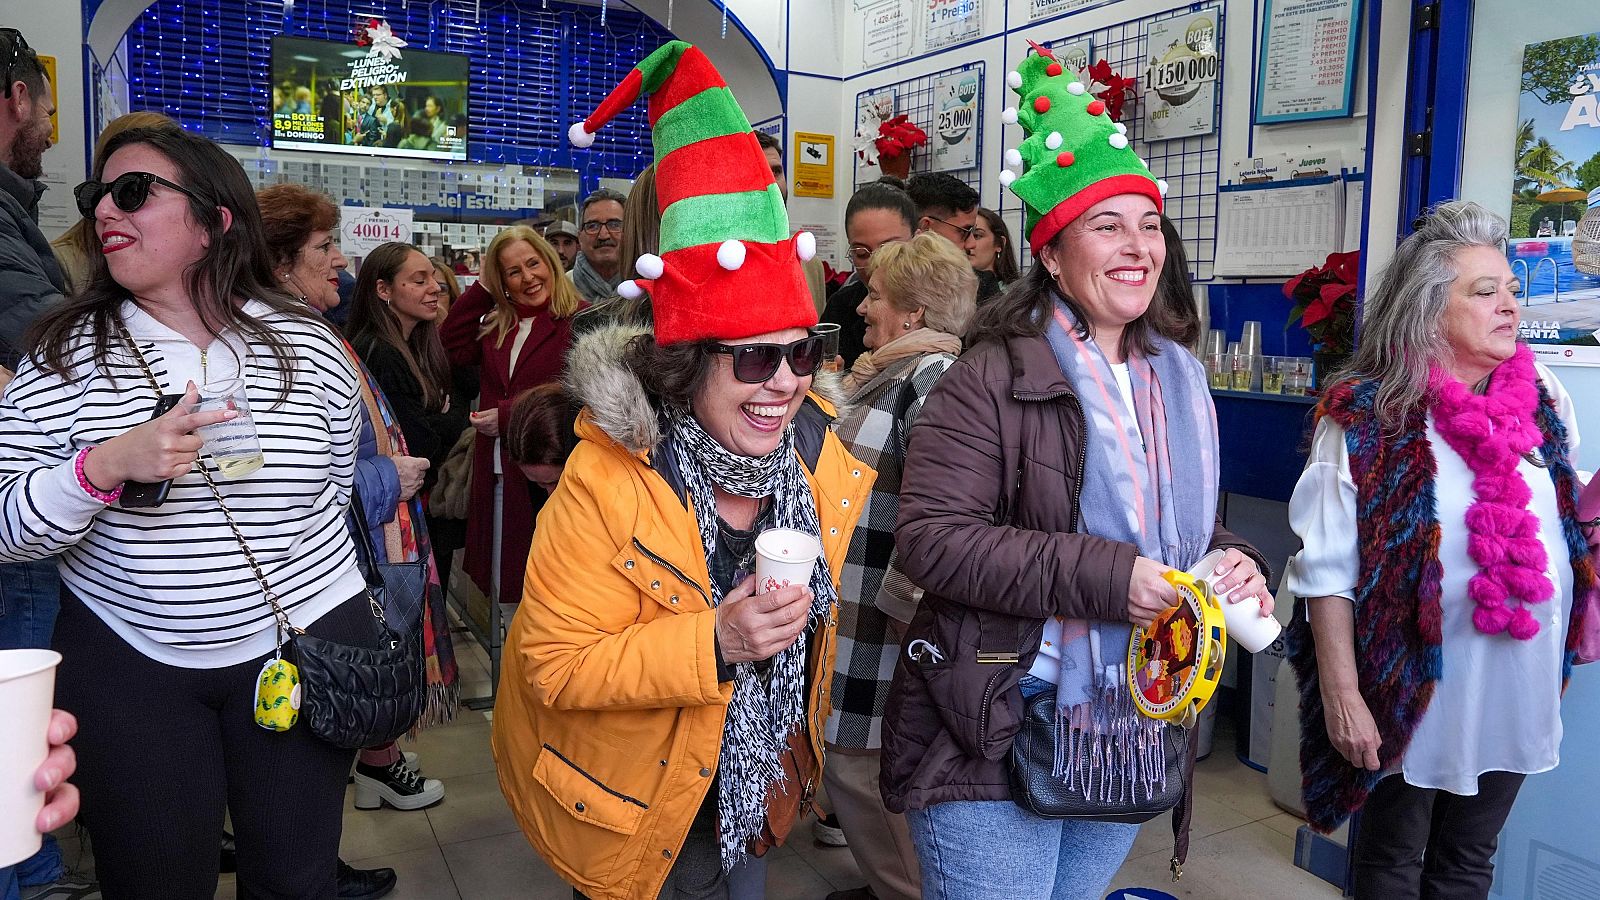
(1074,156)
(728,266)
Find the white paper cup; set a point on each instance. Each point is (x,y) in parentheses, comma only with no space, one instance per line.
(1246,624)
(785,557)
(27,690)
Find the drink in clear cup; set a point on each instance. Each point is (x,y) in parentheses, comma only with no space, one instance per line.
(233,445)
(1243,371)
(830,345)
(1272,374)
(1246,624)
(784,558)
(1220,367)
(27,691)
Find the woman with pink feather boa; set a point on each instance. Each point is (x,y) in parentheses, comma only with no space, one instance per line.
(1446,583)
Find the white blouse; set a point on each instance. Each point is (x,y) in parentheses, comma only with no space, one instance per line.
(1496,706)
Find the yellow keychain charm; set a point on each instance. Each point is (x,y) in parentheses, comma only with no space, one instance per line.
(1175,664)
(278,695)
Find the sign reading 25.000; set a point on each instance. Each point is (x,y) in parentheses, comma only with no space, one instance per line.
(955,121)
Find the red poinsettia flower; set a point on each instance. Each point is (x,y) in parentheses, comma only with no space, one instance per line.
(898,135)
(1116,91)
(1325,300)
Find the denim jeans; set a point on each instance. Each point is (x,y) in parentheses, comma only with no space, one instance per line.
(967,847)
(30,597)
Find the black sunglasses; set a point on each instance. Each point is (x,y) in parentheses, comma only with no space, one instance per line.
(755,363)
(19,48)
(966,233)
(128,192)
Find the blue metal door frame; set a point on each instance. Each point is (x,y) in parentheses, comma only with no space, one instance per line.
(1436,105)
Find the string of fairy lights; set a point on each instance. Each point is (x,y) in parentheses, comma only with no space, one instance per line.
(534,69)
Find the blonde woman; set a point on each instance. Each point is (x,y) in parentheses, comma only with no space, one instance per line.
(515,325)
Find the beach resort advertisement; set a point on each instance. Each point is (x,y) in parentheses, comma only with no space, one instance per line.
(1555,204)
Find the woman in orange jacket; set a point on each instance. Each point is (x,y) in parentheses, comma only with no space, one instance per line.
(659,723)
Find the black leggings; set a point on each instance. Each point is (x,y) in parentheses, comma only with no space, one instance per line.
(163,751)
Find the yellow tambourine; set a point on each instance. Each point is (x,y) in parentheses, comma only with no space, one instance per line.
(1175,664)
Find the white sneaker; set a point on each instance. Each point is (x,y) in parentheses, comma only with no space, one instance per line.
(398,785)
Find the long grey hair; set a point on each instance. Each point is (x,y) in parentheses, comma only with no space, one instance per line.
(1400,337)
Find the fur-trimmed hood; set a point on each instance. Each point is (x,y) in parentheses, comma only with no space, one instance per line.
(616,399)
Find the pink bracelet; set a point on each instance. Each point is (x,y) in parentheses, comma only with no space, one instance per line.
(88,487)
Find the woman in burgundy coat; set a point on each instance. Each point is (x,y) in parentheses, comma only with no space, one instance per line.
(515,325)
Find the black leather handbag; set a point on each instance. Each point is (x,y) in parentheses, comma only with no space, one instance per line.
(1036,788)
(354,697)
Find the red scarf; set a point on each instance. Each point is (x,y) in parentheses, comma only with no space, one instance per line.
(1492,432)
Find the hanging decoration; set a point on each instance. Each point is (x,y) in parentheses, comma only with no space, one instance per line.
(724,19)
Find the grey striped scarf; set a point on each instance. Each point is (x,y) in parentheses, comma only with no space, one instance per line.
(763,712)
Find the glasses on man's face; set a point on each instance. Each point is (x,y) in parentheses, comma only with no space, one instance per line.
(966,233)
(19,48)
(755,363)
(128,191)
(861,253)
(612,225)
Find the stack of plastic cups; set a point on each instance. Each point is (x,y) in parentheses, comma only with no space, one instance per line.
(1219,369)
(1247,365)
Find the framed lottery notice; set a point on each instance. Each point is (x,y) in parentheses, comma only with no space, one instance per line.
(1308,60)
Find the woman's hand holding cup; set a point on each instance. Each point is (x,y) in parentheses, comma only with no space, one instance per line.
(753,626)
(161,449)
(1149,592)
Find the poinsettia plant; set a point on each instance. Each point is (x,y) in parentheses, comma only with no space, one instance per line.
(1325,301)
(1114,90)
(898,136)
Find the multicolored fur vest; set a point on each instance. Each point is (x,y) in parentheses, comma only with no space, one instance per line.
(1398,617)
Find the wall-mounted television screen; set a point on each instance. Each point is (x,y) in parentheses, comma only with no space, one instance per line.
(343,98)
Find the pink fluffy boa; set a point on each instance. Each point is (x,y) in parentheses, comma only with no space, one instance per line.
(1492,432)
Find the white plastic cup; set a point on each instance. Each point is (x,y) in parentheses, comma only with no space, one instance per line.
(27,691)
(785,558)
(1246,624)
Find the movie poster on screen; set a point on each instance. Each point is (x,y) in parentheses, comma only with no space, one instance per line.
(377,97)
(947,22)
(1555,202)
(954,141)
(1180,79)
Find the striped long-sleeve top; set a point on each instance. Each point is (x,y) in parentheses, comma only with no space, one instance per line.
(172,581)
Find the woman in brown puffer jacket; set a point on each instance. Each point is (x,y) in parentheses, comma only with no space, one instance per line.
(1056,472)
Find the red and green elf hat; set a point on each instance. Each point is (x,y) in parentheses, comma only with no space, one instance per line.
(729,267)
(1074,156)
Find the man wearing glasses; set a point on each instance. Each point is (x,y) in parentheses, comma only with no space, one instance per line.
(30,281)
(598,269)
(948,207)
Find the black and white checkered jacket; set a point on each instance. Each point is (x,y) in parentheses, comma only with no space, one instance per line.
(867,647)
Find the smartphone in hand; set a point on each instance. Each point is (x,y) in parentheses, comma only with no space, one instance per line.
(143,495)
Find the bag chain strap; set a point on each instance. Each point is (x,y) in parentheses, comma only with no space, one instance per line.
(283,625)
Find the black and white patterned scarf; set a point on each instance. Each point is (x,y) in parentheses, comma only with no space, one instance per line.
(764,711)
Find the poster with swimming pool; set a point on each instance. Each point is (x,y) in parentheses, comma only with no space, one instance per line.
(1555,205)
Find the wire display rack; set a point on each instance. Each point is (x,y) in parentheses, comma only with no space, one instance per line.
(914,97)
(1189,165)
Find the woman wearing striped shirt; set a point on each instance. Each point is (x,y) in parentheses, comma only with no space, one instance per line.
(164,628)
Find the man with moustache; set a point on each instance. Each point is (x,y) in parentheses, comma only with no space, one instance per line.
(30,281)
(598,269)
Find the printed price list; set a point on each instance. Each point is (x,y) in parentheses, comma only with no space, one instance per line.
(1305,68)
